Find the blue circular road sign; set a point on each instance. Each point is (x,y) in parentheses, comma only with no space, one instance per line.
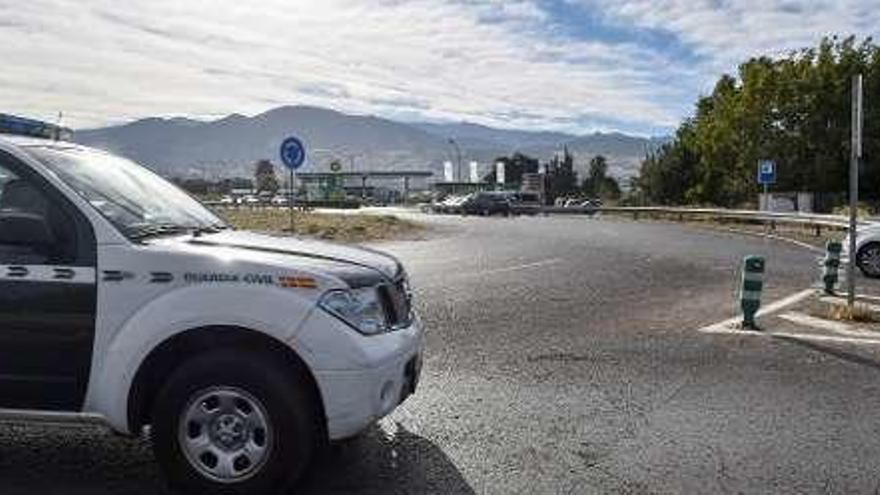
(293,153)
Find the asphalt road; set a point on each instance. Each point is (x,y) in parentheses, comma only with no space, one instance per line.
(563,357)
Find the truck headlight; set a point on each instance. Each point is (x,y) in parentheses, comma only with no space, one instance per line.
(359,308)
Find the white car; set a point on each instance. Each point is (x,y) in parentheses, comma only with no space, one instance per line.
(125,301)
(867,250)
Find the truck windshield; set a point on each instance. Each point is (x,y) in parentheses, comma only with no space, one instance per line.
(137,201)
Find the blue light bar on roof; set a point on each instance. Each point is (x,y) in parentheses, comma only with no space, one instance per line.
(20,126)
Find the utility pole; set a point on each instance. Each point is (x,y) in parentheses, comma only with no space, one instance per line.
(855,158)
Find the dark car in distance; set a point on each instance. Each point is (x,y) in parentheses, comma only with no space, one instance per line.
(487,203)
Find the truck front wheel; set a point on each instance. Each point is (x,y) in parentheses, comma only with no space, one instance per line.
(233,422)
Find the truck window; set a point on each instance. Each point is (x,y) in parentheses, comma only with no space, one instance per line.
(33,230)
(131,197)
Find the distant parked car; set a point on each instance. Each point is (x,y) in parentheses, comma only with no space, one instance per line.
(526,203)
(227,200)
(451,204)
(280,201)
(251,200)
(487,204)
(459,202)
(438,205)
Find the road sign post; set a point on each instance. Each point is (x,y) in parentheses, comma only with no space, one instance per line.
(766,176)
(293,155)
(855,157)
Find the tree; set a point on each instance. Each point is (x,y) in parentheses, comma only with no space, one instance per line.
(592,184)
(668,175)
(561,178)
(265,178)
(598,183)
(794,110)
(514,168)
(610,189)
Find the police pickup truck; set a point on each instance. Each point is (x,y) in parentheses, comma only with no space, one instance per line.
(123,300)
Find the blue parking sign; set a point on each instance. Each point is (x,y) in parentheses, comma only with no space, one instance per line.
(766,172)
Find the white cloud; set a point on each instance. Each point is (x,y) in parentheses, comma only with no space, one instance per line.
(726,32)
(100,61)
(496,62)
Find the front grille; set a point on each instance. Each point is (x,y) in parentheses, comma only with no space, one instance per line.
(396,301)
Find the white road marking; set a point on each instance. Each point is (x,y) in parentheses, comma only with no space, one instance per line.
(514,268)
(837,327)
(729,325)
(823,338)
(482,273)
(846,334)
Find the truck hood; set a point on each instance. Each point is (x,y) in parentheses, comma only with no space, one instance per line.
(358,258)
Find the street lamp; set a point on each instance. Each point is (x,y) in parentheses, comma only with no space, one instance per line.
(458,156)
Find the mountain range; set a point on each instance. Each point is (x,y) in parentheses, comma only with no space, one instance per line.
(228,147)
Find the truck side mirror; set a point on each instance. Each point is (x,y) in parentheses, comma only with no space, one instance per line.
(25,229)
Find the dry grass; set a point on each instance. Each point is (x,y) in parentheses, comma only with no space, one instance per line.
(337,227)
(859,313)
(862,211)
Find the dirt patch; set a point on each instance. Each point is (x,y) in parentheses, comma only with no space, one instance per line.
(839,311)
(343,228)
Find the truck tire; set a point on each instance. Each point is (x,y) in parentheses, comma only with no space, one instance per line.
(868,260)
(234,422)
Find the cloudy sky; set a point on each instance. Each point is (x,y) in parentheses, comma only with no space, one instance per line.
(575,65)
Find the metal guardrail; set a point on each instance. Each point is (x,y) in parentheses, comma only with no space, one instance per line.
(269,205)
(817,221)
(814,220)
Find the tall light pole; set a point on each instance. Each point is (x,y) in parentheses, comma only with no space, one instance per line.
(458,157)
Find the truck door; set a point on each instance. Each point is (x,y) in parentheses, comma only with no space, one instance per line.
(47,293)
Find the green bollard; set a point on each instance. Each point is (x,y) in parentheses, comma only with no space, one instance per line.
(750,292)
(831,264)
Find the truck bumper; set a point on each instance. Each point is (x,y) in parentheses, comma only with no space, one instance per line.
(385,374)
